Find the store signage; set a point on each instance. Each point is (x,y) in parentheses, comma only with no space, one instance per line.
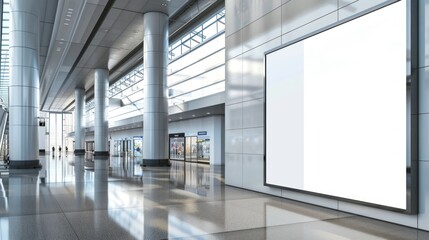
(202,133)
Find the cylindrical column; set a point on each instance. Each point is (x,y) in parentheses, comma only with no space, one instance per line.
(155,118)
(101,126)
(24,84)
(79,133)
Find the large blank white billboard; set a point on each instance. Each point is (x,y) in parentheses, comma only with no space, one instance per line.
(336,114)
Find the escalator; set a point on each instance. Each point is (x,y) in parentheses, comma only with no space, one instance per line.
(4,145)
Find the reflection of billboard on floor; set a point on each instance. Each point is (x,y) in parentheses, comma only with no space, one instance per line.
(336,113)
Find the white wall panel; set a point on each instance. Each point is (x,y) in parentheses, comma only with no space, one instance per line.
(234,169)
(235,111)
(357,7)
(298,13)
(234,141)
(309,28)
(262,30)
(253,174)
(253,140)
(253,113)
(254,9)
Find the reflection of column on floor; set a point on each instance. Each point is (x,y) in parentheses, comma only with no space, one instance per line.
(22,199)
(79,172)
(101,191)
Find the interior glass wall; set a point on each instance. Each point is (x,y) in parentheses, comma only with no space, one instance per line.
(60,124)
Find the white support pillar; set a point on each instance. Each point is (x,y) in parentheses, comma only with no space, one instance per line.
(24,84)
(155,118)
(79,139)
(101,125)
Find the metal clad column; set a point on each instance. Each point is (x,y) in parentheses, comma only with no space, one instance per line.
(24,84)
(78,120)
(101,86)
(155,118)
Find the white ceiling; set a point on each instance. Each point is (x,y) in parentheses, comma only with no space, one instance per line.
(71,49)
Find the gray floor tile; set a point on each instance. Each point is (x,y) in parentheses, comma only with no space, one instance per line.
(100,200)
(28,205)
(44,226)
(108,224)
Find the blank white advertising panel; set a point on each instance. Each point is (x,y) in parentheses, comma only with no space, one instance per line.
(336,114)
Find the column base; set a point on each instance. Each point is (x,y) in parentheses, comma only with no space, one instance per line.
(101,157)
(79,152)
(156,163)
(26,164)
(101,153)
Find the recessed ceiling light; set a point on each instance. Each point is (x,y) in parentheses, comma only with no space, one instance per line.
(66,24)
(71,9)
(164,4)
(208,113)
(193,115)
(180,118)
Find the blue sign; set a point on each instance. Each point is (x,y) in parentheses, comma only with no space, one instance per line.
(202,133)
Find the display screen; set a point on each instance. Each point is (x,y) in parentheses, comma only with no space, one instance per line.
(336,112)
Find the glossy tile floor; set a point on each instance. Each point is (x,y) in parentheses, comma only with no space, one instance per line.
(71,198)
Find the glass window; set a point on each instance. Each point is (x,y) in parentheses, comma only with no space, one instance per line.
(195,70)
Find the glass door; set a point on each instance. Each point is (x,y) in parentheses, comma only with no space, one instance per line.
(177,146)
(191,149)
(203,149)
(138,147)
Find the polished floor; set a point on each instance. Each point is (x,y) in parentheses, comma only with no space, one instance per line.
(73,198)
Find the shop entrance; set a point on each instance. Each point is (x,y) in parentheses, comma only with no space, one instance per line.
(177,146)
(191,149)
(122,147)
(203,149)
